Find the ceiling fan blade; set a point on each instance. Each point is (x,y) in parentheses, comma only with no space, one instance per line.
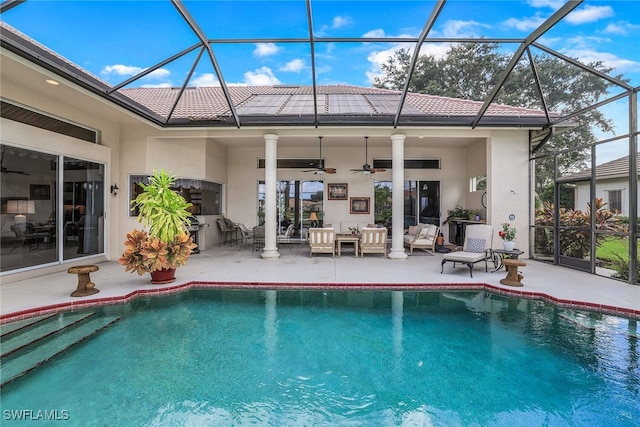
(330,170)
(5,170)
(378,170)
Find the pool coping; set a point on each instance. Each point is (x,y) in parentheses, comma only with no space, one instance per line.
(198,284)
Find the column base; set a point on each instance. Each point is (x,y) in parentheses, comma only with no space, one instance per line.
(397,254)
(270,254)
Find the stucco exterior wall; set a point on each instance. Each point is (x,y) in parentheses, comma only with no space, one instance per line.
(603,186)
(508,185)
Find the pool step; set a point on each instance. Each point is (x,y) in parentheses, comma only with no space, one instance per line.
(25,348)
(38,331)
(13,327)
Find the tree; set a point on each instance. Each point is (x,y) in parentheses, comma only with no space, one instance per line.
(471,70)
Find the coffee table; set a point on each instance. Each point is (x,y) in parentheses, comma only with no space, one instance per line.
(348,238)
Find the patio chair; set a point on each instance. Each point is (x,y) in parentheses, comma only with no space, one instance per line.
(373,240)
(245,234)
(258,237)
(226,230)
(423,238)
(286,237)
(322,240)
(233,229)
(477,247)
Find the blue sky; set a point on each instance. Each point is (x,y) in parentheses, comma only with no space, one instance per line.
(112,41)
(115,40)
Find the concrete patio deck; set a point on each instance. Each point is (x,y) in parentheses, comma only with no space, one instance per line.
(230,266)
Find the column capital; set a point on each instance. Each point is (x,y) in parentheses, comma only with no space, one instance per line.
(398,137)
(270,137)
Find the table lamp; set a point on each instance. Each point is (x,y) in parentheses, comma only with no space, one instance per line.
(313,217)
(21,207)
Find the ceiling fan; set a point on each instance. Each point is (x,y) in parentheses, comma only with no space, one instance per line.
(366,168)
(320,169)
(3,169)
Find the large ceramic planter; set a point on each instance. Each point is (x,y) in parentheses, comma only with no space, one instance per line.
(508,245)
(164,276)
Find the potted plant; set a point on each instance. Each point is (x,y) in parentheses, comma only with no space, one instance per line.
(167,245)
(457,213)
(508,236)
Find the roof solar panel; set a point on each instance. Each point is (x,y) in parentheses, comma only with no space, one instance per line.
(263,104)
(349,104)
(388,104)
(302,105)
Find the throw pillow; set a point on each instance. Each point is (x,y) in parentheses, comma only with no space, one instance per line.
(475,245)
(413,230)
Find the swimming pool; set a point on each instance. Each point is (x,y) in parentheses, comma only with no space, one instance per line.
(331,358)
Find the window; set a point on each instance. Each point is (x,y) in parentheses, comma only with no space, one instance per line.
(206,196)
(478,183)
(615,200)
(421,202)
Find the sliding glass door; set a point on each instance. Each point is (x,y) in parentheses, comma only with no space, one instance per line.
(298,203)
(45,219)
(421,202)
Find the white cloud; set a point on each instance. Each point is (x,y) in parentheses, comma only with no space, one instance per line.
(265,49)
(341,21)
(456,28)
(589,14)
(122,70)
(206,79)
(374,33)
(608,59)
(378,57)
(553,4)
(294,66)
(525,24)
(261,77)
(621,28)
(130,70)
(159,85)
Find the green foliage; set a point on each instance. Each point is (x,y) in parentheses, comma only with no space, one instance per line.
(470,71)
(382,203)
(458,212)
(621,266)
(575,238)
(609,247)
(162,210)
(508,233)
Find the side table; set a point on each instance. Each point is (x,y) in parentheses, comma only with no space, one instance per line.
(348,238)
(498,255)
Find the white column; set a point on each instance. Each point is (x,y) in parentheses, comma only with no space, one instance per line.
(397,202)
(270,177)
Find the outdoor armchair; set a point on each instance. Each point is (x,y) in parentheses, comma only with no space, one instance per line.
(373,240)
(322,240)
(422,237)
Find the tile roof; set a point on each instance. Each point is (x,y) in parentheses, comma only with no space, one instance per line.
(618,168)
(209,103)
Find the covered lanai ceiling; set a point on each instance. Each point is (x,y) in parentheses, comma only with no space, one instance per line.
(213,63)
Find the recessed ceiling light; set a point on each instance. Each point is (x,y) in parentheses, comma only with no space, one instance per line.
(52,82)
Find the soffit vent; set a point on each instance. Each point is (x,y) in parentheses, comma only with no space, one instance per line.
(29,117)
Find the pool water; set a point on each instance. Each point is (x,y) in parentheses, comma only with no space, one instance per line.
(352,358)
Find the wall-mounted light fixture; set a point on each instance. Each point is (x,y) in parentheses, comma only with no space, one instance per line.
(114,190)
